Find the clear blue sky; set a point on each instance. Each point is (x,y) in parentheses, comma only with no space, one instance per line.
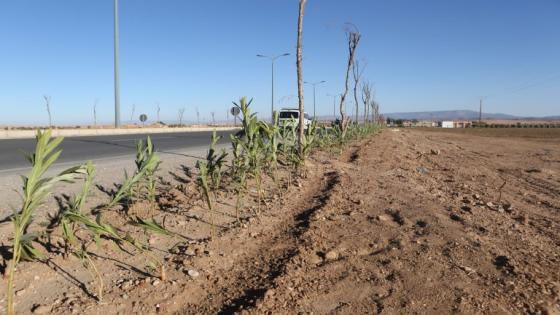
(421,55)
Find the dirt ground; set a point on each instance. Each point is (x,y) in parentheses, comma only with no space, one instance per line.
(404,222)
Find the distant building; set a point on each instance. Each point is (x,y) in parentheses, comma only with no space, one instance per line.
(447,124)
(424,123)
(456,124)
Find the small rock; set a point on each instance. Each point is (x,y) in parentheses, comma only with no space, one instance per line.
(156,282)
(434,151)
(193,273)
(190,252)
(269,293)
(20,292)
(315,259)
(41,309)
(253,234)
(468,270)
(124,296)
(331,255)
(476,196)
(383,218)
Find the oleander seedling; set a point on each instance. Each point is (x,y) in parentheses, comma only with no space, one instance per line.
(36,187)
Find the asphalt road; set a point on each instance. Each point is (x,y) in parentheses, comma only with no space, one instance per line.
(81,149)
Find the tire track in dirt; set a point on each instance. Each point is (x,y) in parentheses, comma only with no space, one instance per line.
(257,272)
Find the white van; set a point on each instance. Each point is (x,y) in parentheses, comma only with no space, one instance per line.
(289,115)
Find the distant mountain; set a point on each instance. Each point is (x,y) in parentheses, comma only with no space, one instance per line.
(458,114)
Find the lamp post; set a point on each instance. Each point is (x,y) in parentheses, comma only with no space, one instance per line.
(117,87)
(272,59)
(333,103)
(314,105)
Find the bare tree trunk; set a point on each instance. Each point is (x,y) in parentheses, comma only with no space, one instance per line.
(353,40)
(366,96)
(132,112)
(180,114)
(356,74)
(300,77)
(95,112)
(48,103)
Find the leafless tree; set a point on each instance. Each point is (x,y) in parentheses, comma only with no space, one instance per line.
(366,99)
(375,112)
(132,112)
(95,111)
(158,111)
(356,75)
(197,116)
(180,115)
(300,76)
(353,37)
(213,119)
(48,104)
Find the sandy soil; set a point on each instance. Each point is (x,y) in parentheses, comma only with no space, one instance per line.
(404,222)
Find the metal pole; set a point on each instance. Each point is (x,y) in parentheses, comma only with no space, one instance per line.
(480,112)
(117,86)
(334,106)
(272,100)
(314,107)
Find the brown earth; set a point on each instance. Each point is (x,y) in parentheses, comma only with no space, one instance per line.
(404,222)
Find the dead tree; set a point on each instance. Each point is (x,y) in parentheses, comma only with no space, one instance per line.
(180,116)
(353,37)
(48,104)
(213,119)
(375,111)
(300,77)
(95,112)
(197,116)
(356,75)
(366,99)
(132,112)
(158,111)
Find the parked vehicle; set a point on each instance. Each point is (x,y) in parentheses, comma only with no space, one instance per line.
(291,115)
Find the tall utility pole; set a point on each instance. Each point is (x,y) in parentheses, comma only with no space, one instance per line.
(272,59)
(314,105)
(334,96)
(480,112)
(117,85)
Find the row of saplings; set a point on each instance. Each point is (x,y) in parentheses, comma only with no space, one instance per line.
(258,150)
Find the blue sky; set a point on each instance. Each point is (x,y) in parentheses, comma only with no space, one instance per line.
(421,55)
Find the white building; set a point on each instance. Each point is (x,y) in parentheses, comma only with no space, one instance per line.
(447,124)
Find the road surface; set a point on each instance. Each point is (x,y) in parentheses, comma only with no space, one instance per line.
(81,149)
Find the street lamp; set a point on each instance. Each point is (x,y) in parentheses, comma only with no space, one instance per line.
(117,87)
(314,106)
(272,59)
(335,96)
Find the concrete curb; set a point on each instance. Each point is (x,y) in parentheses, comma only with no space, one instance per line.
(26,134)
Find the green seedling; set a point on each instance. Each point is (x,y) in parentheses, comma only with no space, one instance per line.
(202,181)
(36,187)
(87,262)
(215,162)
(147,163)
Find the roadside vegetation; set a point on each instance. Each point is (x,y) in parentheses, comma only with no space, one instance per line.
(259,150)
(265,159)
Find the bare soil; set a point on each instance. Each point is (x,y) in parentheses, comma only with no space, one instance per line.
(403,222)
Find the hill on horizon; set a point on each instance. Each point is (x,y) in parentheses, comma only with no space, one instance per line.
(460,114)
